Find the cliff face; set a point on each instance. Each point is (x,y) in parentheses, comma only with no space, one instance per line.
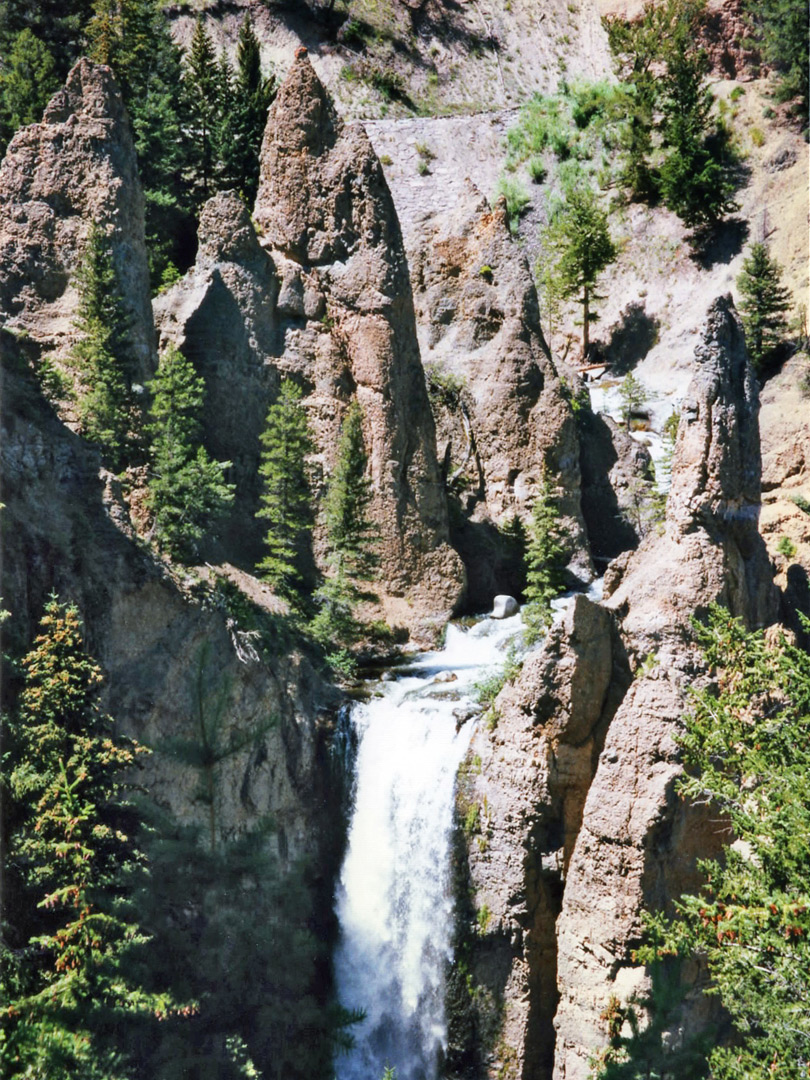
(76,167)
(503,412)
(325,297)
(596,831)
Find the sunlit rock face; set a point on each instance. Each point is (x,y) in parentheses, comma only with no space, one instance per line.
(76,167)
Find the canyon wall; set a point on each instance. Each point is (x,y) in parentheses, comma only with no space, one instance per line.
(577,778)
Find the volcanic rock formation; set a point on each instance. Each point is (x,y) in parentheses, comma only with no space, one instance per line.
(76,167)
(326,299)
(583,824)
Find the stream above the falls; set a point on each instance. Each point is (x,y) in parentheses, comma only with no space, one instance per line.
(394,898)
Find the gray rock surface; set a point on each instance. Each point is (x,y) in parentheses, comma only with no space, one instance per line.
(507,415)
(76,167)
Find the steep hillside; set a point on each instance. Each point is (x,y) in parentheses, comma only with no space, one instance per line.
(428,57)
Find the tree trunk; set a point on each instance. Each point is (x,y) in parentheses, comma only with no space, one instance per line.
(586,321)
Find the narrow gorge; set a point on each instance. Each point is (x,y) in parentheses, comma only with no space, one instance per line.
(464,821)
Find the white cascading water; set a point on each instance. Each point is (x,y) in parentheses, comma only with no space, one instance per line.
(394,901)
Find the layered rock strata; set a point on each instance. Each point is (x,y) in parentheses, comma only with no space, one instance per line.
(597,833)
(323,297)
(76,167)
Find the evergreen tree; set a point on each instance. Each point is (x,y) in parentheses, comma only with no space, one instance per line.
(763,305)
(106,406)
(636,46)
(349,529)
(58,24)
(545,562)
(286,497)
(133,37)
(579,241)
(27,81)
(350,534)
(187,490)
(746,746)
(246,117)
(781,28)
(72,989)
(202,83)
(693,179)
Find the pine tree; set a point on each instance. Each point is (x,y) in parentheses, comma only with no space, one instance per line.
(350,534)
(106,406)
(27,81)
(578,239)
(286,497)
(349,529)
(73,988)
(746,748)
(693,179)
(58,24)
(187,489)
(246,117)
(133,36)
(545,562)
(782,27)
(763,305)
(202,81)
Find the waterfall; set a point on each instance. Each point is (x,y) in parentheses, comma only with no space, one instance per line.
(394,901)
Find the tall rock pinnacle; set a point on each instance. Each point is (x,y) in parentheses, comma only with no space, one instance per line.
(327,300)
(76,167)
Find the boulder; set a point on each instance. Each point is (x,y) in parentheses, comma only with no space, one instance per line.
(504,606)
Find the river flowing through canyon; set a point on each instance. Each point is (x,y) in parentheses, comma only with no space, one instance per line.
(394,901)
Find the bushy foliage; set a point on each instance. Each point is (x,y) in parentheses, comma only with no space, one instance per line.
(781,28)
(745,746)
(683,156)
(286,496)
(763,305)
(187,490)
(27,80)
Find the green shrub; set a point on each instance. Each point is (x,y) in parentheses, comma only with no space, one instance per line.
(517,199)
(786,547)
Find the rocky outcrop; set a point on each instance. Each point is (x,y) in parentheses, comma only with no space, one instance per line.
(223,316)
(323,297)
(595,831)
(76,167)
(638,843)
(534,773)
(503,412)
(616,470)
